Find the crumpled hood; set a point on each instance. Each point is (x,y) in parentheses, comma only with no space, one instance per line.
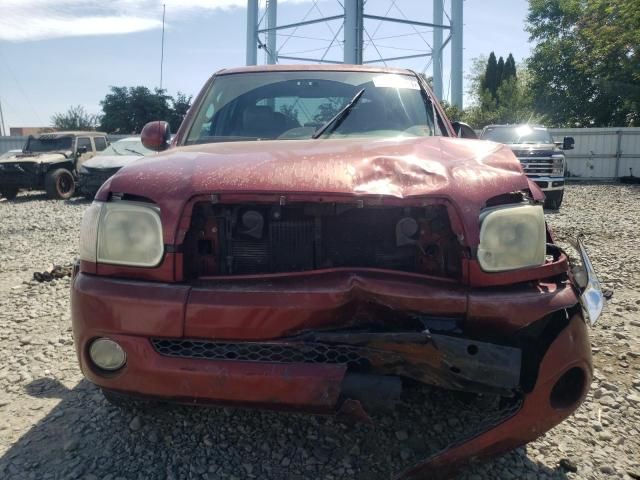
(399,168)
(110,161)
(467,172)
(45,157)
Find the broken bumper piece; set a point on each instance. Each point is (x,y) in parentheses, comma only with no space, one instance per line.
(562,384)
(591,298)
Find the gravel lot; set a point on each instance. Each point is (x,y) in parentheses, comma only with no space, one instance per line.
(53,424)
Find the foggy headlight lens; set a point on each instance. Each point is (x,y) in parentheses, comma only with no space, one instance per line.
(130,233)
(512,238)
(107,354)
(89,232)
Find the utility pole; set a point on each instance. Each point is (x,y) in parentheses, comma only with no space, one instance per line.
(456,52)
(436,56)
(272,21)
(252,32)
(3,130)
(164,11)
(353,21)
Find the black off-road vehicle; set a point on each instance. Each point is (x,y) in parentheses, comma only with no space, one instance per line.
(49,162)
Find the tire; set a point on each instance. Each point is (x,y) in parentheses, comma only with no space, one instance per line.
(9,192)
(554,203)
(60,184)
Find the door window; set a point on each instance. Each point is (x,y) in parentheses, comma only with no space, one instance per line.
(101,143)
(85,142)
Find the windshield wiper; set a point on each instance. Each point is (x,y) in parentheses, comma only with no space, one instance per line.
(339,117)
(133,151)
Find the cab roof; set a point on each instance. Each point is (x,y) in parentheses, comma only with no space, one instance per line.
(73,133)
(338,67)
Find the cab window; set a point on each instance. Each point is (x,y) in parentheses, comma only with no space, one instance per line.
(85,142)
(101,143)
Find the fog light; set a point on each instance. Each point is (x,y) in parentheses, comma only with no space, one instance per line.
(568,389)
(107,354)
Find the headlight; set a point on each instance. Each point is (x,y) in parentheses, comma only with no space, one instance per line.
(122,233)
(558,164)
(89,232)
(512,238)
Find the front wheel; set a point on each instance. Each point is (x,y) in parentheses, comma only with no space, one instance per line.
(9,192)
(553,203)
(60,184)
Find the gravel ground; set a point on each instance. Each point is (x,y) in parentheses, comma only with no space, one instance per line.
(54,424)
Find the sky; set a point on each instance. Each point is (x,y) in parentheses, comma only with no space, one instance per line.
(59,53)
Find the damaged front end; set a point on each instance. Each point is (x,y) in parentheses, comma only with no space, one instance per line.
(521,339)
(343,305)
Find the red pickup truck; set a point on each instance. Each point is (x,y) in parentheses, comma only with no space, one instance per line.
(316,237)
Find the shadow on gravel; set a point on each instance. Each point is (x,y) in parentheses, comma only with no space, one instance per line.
(40,197)
(30,197)
(85,437)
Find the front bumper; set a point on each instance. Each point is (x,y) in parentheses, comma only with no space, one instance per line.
(90,182)
(548,184)
(142,315)
(20,175)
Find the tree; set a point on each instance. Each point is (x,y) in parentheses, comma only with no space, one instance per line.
(75,118)
(453,112)
(499,73)
(291,112)
(490,81)
(585,67)
(327,110)
(512,101)
(128,109)
(179,108)
(509,68)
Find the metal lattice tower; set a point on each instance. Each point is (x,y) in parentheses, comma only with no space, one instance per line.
(349,33)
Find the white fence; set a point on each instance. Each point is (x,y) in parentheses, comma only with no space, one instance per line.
(599,154)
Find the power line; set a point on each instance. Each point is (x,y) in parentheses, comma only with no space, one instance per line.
(164,11)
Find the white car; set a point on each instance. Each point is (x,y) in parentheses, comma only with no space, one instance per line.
(96,171)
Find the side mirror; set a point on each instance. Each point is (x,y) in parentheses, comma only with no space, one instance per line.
(568,143)
(81,151)
(463,130)
(156,135)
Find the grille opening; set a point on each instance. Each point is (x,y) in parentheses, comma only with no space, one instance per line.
(568,389)
(353,357)
(262,239)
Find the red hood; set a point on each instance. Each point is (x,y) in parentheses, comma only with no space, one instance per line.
(467,172)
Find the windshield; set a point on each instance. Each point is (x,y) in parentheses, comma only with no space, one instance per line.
(126,147)
(521,134)
(294,105)
(48,144)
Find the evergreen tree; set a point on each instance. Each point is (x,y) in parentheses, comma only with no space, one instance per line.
(490,79)
(499,73)
(509,68)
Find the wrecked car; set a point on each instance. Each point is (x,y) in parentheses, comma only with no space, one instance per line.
(49,162)
(315,237)
(94,172)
